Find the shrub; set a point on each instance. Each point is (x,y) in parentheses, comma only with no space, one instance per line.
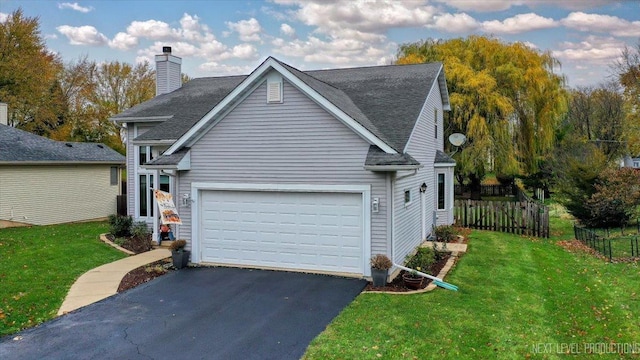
(381,262)
(178,245)
(423,259)
(139,229)
(445,233)
(120,226)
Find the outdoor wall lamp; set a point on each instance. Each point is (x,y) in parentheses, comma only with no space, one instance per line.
(423,187)
(186,199)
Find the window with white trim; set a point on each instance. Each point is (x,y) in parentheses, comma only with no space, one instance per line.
(441,192)
(407,197)
(145,181)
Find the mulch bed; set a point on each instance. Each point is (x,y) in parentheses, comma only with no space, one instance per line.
(397,285)
(144,274)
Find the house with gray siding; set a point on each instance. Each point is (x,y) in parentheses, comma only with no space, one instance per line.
(45,182)
(298,170)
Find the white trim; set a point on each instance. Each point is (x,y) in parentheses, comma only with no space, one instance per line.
(124,120)
(255,76)
(444,165)
(392,167)
(198,187)
(153,142)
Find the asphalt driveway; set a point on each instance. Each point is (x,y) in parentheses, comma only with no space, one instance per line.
(196,313)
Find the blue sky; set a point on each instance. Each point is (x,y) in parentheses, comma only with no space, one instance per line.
(233,37)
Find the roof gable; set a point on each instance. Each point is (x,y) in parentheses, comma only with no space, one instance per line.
(380,103)
(18,146)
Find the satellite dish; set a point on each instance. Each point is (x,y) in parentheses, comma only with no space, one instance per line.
(457,139)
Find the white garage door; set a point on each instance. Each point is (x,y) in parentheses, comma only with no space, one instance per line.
(292,230)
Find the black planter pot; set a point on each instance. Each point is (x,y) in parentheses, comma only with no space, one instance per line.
(180,258)
(379,277)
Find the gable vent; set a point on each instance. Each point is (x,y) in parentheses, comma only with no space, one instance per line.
(274,92)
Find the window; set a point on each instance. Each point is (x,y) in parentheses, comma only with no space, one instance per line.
(441,194)
(114,175)
(407,197)
(145,202)
(145,182)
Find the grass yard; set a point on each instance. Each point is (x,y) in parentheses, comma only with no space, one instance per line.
(38,265)
(519,297)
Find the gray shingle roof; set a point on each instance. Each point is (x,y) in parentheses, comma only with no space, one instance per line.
(172,159)
(442,158)
(391,97)
(386,100)
(186,106)
(18,146)
(377,157)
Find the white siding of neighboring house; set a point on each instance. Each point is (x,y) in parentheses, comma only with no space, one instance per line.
(422,145)
(53,194)
(292,142)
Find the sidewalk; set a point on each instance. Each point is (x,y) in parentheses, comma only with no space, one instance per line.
(103,281)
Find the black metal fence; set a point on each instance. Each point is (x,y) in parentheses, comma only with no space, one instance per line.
(622,248)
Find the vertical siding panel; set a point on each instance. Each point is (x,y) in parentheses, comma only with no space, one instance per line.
(292,142)
(422,146)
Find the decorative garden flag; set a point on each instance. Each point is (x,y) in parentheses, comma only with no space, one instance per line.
(168,212)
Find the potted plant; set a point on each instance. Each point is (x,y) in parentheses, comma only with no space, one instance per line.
(412,280)
(179,255)
(380,265)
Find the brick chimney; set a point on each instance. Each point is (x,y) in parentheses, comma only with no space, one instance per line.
(168,72)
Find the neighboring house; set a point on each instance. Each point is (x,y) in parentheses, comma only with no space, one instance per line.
(301,170)
(628,161)
(44,182)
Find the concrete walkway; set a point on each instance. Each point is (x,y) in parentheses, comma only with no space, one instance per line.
(103,281)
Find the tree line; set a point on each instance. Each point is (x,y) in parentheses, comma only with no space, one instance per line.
(520,118)
(65,101)
(522,121)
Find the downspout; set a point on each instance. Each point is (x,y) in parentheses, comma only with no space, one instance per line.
(156,211)
(436,281)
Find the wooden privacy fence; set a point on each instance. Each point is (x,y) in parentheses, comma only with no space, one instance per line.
(522,217)
(488,190)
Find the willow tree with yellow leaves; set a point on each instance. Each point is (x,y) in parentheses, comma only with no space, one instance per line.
(505,97)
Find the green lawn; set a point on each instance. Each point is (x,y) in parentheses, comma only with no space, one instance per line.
(518,297)
(38,265)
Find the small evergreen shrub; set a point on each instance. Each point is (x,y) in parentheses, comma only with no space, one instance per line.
(120,226)
(139,229)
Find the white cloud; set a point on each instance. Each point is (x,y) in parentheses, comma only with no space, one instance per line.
(46,36)
(364,16)
(3,17)
(83,35)
(217,68)
(500,5)
(123,41)
(152,29)
(456,23)
(602,23)
(286,29)
(74,6)
(248,30)
(341,52)
(244,51)
(592,50)
(519,24)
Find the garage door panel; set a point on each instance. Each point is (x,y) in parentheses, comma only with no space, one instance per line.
(308,231)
